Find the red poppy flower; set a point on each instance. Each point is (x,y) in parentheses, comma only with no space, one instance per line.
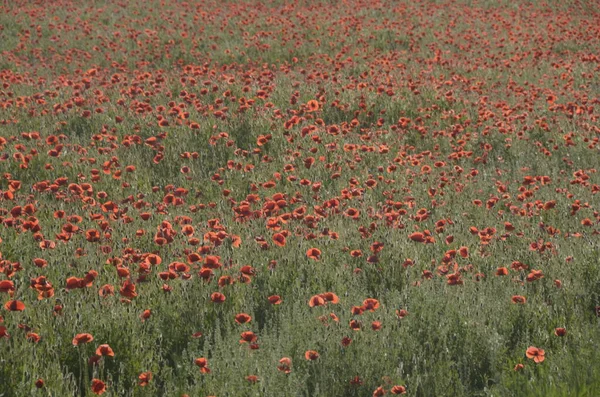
(313,253)
(316,300)
(105,350)
(145,315)
(398,389)
(536,354)
(330,297)
(82,338)
(560,331)
(106,290)
(98,387)
(145,378)
(311,355)
(33,337)
(3,332)
(518,367)
(275,299)
(242,318)
(252,378)
(312,105)
(501,271)
(14,306)
(217,297)
(128,290)
(285,365)
(248,337)
(279,239)
(370,304)
(203,364)
(519,299)
(418,237)
(7,286)
(39,383)
(401,313)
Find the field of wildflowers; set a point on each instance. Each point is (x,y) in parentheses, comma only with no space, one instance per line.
(303,198)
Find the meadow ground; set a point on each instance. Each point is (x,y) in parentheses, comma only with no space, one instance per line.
(309,198)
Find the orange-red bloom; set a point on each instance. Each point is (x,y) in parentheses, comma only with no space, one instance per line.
(128,290)
(14,306)
(285,365)
(275,299)
(105,350)
(203,364)
(311,355)
(98,387)
(316,300)
(398,389)
(82,338)
(519,299)
(145,378)
(242,318)
(313,253)
(536,354)
(217,297)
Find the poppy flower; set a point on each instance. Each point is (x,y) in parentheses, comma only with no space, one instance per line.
(518,367)
(398,389)
(3,332)
(242,318)
(279,239)
(145,315)
(313,253)
(217,297)
(380,391)
(82,338)
(311,355)
(274,299)
(536,354)
(106,290)
(39,383)
(7,286)
(312,105)
(33,337)
(355,325)
(145,378)
(128,290)
(105,350)
(248,337)
(418,237)
(356,381)
(330,297)
(98,387)
(285,365)
(316,300)
(252,378)
(370,304)
(14,306)
(203,364)
(560,331)
(519,299)
(501,271)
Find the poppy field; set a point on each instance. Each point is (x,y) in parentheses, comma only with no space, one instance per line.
(304,198)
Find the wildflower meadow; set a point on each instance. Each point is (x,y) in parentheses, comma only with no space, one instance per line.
(299,198)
